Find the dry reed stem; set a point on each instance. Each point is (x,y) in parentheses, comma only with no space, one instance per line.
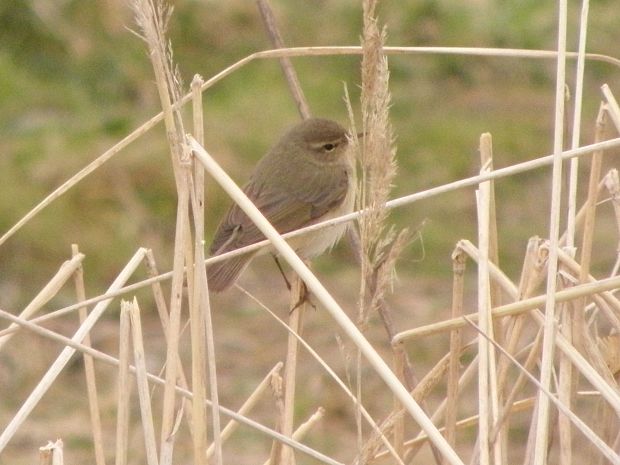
(465,379)
(612,106)
(546,365)
(486,159)
(429,193)
(304,428)
(66,270)
(307,425)
(89,367)
(580,217)
(612,184)
(185,393)
(53,336)
(566,383)
(285,62)
(287,419)
(487,394)
(576,127)
(532,275)
(152,20)
(425,387)
(514,308)
(164,318)
(458,281)
(61,361)
(142,382)
(598,377)
(494,297)
(331,373)
(278,53)
(248,405)
(123,394)
(321,294)
(416,443)
(398,430)
(588,229)
(197,311)
(585,429)
(419,393)
(419,441)
(517,386)
(277,392)
(394,203)
(52,453)
(172,352)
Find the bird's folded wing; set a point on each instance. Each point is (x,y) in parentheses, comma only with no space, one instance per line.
(298,206)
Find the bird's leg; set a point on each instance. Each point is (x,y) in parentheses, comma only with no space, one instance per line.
(304,296)
(286,281)
(304,293)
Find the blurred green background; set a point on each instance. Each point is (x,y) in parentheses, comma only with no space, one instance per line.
(74,80)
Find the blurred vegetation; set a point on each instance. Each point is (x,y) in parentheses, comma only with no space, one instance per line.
(74,81)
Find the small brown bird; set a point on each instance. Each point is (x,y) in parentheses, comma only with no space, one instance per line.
(306,178)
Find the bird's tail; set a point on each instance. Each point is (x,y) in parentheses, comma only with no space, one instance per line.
(222,275)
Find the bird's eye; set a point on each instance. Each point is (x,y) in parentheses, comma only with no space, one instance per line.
(329,147)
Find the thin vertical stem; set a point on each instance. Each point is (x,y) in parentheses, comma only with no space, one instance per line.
(174,326)
(142,381)
(542,414)
(124,388)
(290,373)
(458,281)
(612,106)
(399,421)
(285,62)
(485,323)
(576,133)
(89,366)
(197,326)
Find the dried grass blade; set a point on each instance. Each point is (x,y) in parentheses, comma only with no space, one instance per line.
(52,453)
(123,394)
(197,309)
(287,420)
(321,294)
(576,130)
(89,368)
(585,429)
(458,282)
(64,357)
(486,324)
(248,405)
(186,394)
(333,375)
(146,412)
(66,270)
(285,62)
(542,413)
(612,106)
